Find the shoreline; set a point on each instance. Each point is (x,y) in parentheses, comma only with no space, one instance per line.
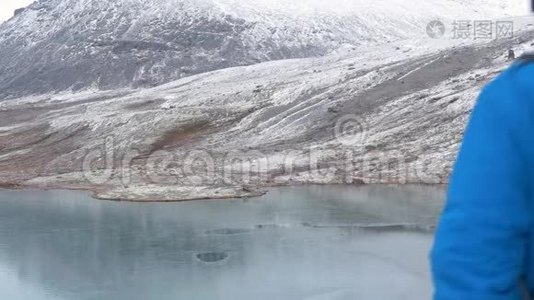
(99,192)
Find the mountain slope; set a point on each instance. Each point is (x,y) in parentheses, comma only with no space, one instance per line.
(57,45)
(225,133)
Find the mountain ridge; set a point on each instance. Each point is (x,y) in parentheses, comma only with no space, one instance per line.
(72,45)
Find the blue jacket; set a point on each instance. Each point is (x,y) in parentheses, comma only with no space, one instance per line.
(484,248)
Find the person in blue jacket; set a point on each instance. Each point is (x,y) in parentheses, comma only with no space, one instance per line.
(484,247)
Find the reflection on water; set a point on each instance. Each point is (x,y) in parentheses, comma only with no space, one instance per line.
(293,243)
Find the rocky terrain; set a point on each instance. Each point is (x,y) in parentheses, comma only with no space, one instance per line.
(374,113)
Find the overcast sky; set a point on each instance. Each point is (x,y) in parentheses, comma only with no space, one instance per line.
(7,7)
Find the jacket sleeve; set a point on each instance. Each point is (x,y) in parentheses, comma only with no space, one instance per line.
(481,240)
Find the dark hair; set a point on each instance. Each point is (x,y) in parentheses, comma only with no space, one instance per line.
(529,56)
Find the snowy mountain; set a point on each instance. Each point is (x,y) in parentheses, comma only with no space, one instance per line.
(284,120)
(58,45)
(125,97)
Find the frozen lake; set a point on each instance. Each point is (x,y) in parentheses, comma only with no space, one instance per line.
(317,242)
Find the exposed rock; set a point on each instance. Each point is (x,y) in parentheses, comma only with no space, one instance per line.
(18,11)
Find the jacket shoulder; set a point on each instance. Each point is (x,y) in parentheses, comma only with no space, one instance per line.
(517,79)
(527,57)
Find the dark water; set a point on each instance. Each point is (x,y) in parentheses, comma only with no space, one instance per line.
(294,243)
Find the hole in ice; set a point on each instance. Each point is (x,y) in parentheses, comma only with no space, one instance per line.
(227,231)
(212,257)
